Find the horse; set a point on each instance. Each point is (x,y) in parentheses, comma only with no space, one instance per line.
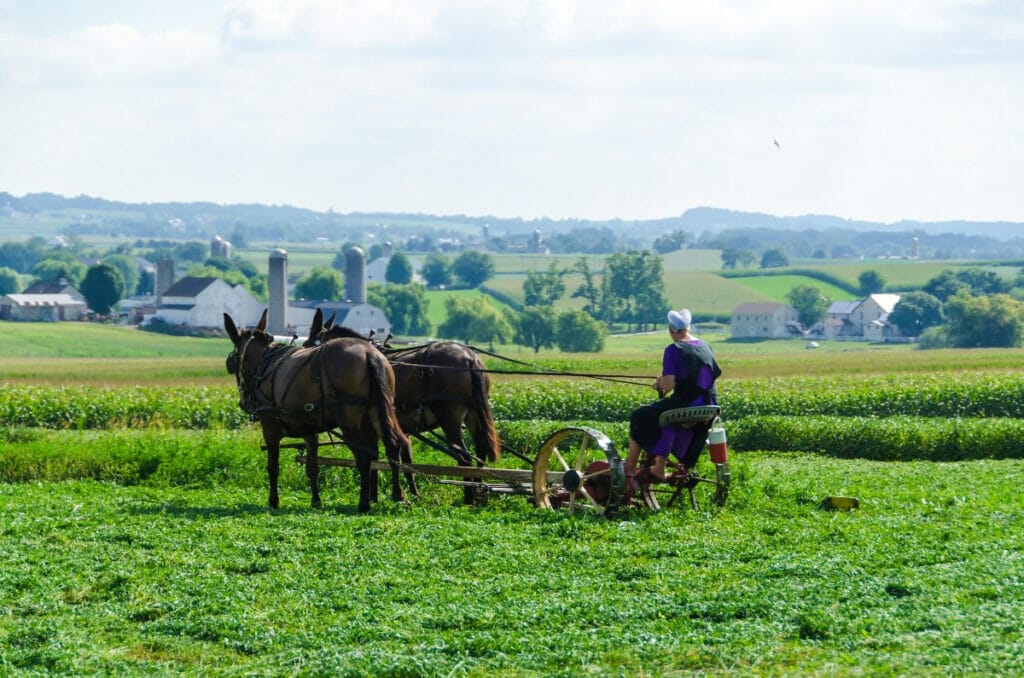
(301,392)
(438,385)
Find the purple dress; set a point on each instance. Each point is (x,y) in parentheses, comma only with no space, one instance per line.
(693,365)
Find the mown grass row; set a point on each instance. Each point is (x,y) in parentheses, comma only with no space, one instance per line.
(947,394)
(208,458)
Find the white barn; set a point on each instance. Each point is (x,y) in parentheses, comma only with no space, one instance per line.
(202,302)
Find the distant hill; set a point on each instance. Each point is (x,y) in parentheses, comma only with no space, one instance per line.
(807,236)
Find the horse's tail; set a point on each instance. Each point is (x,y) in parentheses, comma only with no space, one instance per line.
(382,396)
(485,435)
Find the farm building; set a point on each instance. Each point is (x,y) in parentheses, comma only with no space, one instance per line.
(770,320)
(837,322)
(359,316)
(202,302)
(48,307)
(872,316)
(59,286)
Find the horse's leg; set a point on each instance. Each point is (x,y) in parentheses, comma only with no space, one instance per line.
(410,478)
(273,441)
(313,468)
(453,436)
(363,460)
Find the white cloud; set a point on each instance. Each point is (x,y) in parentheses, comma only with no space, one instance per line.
(547,107)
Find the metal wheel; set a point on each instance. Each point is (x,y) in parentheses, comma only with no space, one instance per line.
(578,469)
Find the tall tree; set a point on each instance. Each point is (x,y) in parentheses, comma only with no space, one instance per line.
(437,270)
(587,289)
(995,320)
(810,304)
(128,268)
(56,268)
(670,242)
(534,327)
(399,269)
(8,280)
(406,306)
(774,258)
(473,268)
(915,312)
(102,288)
(540,289)
(320,283)
(870,282)
(578,332)
(474,319)
(636,283)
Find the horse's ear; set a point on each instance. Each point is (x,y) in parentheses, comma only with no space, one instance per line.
(316,327)
(229,327)
(261,326)
(329,323)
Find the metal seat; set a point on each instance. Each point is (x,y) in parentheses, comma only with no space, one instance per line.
(687,417)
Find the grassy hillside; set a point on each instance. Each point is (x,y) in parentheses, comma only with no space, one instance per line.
(776,287)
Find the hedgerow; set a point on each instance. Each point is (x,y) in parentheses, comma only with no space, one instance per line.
(944,394)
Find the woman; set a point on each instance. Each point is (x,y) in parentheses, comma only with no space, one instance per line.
(688,375)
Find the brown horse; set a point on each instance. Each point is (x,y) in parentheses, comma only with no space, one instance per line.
(302,392)
(438,385)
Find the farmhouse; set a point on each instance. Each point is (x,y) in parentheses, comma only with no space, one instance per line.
(837,322)
(872,316)
(770,320)
(202,302)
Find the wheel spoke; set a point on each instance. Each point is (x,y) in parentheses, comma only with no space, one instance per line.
(561,459)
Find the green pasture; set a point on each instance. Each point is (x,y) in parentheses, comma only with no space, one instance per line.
(102,578)
(74,353)
(776,287)
(137,539)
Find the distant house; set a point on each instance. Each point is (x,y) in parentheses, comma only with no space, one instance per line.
(837,322)
(359,316)
(872,316)
(769,320)
(46,307)
(202,302)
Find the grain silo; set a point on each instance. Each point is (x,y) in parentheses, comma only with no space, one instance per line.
(164,277)
(355,275)
(277,284)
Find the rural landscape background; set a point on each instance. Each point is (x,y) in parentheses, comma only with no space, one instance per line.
(138,538)
(541,179)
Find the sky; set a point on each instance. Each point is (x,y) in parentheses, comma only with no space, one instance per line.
(882,110)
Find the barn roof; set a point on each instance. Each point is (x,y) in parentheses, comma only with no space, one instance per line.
(189,286)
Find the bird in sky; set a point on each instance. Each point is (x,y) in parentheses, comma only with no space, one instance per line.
(775,141)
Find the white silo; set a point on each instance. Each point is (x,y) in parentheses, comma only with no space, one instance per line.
(355,275)
(277,284)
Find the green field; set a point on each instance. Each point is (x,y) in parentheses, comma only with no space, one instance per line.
(136,537)
(777,287)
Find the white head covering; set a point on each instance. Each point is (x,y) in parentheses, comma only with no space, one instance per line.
(680,320)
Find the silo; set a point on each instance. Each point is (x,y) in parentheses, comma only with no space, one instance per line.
(277,308)
(164,277)
(355,275)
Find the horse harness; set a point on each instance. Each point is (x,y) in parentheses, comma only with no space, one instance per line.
(256,402)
